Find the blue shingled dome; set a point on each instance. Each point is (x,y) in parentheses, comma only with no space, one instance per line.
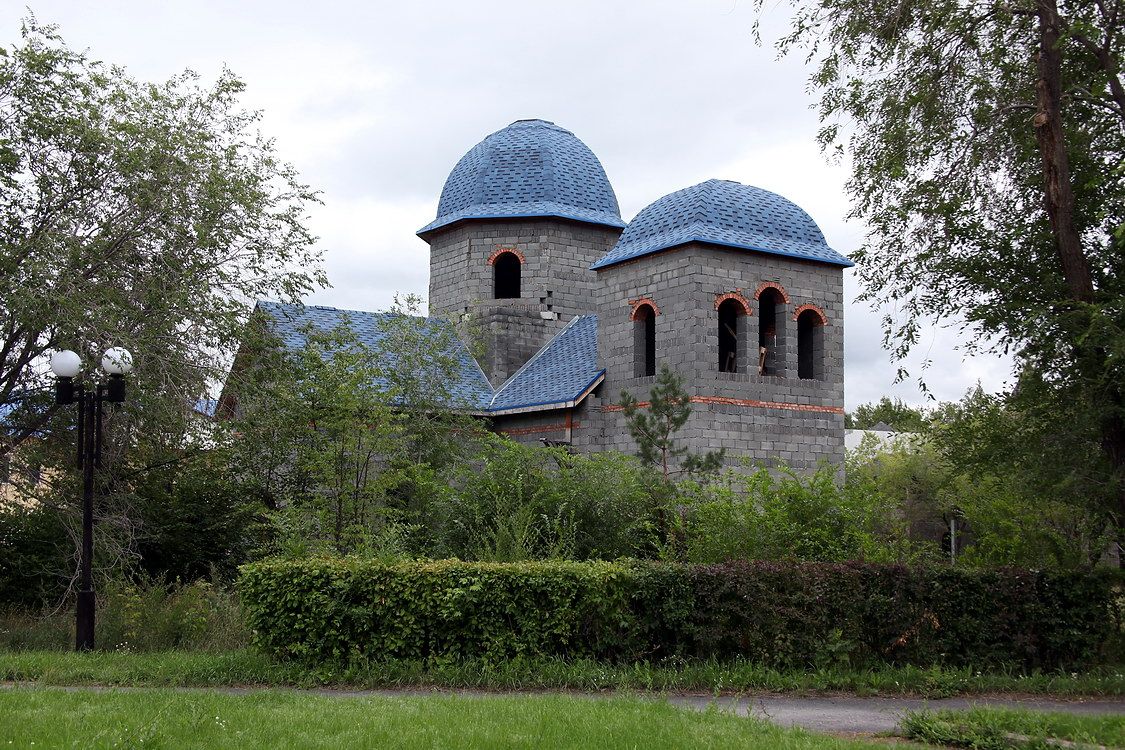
(532,168)
(721,212)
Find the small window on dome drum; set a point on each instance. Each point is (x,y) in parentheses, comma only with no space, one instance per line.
(810,346)
(731,354)
(771,333)
(644,342)
(506,276)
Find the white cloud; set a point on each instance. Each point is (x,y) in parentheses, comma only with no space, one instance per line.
(374,102)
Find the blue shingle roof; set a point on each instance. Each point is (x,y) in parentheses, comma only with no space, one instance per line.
(724,213)
(469,388)
(559,373)
(205,406)
(530,168)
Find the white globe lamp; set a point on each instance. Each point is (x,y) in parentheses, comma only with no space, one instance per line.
(117,361)
(65,363)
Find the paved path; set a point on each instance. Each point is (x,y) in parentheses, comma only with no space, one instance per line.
(839,715)
(871,715)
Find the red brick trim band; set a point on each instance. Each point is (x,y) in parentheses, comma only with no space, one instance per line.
(750,403)
(772,285)
(805,308)
(558,427)
(501,250)
(736,295)
(637,304)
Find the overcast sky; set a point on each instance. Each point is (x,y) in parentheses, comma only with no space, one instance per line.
(374,102)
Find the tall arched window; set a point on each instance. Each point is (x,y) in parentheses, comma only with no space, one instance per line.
(644,341)
(810,344)
(506,276)
(771,333)
(732,351)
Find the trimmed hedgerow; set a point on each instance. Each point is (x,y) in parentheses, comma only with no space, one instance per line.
(780,614)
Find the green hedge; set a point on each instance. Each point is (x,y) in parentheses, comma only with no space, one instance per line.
(782,614)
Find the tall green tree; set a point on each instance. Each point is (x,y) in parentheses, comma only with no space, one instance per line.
(986,140)
(136,214)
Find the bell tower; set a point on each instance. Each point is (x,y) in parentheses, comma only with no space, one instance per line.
(522,217)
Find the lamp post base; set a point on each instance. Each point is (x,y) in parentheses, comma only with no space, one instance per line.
(84,621)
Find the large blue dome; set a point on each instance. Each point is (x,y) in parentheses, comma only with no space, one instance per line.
(721,212)
(530,168)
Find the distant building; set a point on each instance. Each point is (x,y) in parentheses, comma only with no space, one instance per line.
(884,436)
(731,286)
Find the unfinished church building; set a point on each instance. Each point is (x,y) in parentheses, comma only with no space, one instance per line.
(731,286)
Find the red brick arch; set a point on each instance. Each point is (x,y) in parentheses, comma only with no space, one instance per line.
(772,285)
(819,312)
(736,295)
(501,250)
(637,304)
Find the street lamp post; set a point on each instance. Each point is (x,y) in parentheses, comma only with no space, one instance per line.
(116,363)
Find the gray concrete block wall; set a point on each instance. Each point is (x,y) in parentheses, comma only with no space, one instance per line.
(556,274)
(684,284)
(556,282)
(582,426)
(755,435)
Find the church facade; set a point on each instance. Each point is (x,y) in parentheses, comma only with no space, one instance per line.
(732,287)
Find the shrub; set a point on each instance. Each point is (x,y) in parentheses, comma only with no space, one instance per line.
(137,616)
(526,502)
(34,550)
(782,614)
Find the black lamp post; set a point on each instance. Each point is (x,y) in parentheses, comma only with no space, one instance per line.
(116,362)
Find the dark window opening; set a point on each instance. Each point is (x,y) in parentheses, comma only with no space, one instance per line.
(644,341)
(729,313)
(770,356)
(506,276)
(810,346)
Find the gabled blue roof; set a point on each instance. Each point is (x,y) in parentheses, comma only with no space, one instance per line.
(721,212)
(469,388)
(559,374)
(530,168)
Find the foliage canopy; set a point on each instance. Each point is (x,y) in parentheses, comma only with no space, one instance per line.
(986,141)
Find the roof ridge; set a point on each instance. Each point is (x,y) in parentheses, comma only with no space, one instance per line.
(550,165)
(348,311)
(533,359)
(698,202)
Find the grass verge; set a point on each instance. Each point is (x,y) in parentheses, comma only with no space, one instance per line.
(245,667)
(1004,729)
(42,717)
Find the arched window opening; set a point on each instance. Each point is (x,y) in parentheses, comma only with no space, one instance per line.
(771,333)
(644,341)
(810,345)
(506,276)
(731,355)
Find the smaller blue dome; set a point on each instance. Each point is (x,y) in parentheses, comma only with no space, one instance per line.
(721,212)
(531,168)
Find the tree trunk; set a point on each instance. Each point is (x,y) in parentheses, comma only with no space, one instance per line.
(1059,203)
(1058,193)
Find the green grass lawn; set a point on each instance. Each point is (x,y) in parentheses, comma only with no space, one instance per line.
(201,669)
(999,729)
(171,719)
